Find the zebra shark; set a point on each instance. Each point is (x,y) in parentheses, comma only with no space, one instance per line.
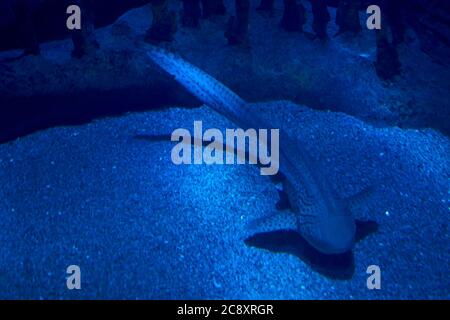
(315,211)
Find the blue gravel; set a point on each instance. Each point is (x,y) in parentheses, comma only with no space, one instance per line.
(141,227)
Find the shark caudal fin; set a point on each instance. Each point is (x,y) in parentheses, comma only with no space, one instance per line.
(200,84)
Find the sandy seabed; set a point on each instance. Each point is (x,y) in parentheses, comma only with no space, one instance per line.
(141,227)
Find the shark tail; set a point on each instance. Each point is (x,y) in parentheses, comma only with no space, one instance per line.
(207,89)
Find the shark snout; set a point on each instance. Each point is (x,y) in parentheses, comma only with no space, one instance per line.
(335,235)
(339,233)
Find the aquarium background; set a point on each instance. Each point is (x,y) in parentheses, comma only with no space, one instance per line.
(79,188)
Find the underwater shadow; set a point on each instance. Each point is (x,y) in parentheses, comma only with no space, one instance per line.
(21,116)
(338,266)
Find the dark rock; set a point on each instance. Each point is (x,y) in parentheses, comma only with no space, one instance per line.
(52,24)
(293,16)
(387,64)
(191,14)
(347,16)
(394,16)
(164,24)
(266,5)
(237,27)
(84,40)
(26,26)
(431,22)
(213,7)
(321,18)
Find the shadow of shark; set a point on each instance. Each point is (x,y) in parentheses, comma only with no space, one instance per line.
(334,266)
(308,204)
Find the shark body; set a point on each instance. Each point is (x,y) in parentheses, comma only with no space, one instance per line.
(315,211)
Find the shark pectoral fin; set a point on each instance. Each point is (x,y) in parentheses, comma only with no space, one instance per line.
(285,220)
(243,154)
(360,197)
(283,203)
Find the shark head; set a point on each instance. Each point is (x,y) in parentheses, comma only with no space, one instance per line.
(337,235)
(329,229)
